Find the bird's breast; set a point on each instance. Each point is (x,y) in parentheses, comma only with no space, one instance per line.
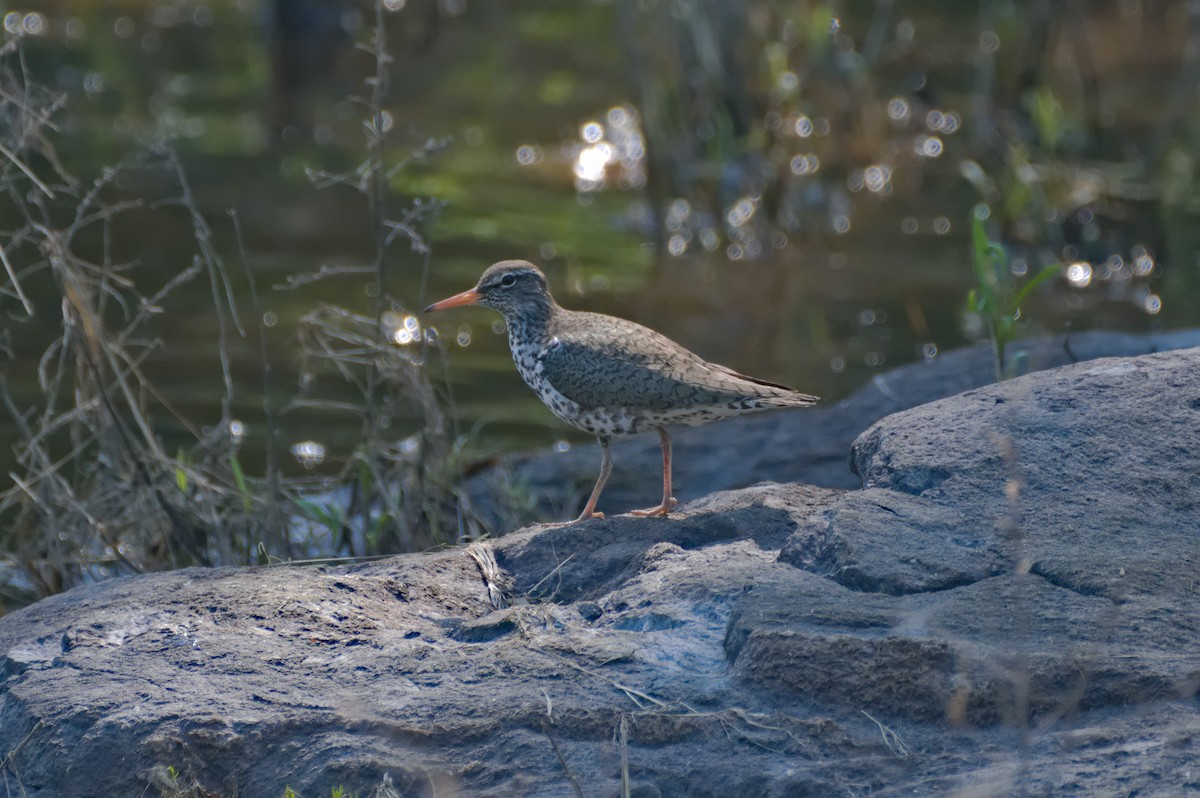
(528,359)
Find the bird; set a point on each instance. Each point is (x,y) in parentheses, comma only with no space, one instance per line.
(609,376)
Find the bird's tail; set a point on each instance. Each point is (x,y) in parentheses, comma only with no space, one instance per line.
(776,396)
(791,399)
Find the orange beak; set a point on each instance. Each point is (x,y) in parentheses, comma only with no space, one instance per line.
(458,300)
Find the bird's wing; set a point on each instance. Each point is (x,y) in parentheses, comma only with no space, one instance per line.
(618,363)
(795,397)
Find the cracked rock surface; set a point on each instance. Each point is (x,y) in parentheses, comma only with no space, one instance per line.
(1010,604)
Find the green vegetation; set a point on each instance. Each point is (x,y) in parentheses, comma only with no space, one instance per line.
(791,203)
(95,491)
(997,298)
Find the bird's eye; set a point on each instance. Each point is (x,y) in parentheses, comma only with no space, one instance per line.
(507,280)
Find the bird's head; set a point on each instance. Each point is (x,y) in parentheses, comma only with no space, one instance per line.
(513,287)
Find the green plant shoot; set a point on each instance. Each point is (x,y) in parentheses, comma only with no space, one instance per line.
(996,298)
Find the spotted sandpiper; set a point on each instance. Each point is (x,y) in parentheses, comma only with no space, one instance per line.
(610,376)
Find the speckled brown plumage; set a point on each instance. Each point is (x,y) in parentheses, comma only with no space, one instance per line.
(610,376)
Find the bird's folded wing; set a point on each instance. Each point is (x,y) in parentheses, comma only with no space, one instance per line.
(633,368)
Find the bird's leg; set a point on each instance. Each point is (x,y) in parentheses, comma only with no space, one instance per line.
(589,511)
(668,502)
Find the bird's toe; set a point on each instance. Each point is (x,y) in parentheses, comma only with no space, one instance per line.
(660,511)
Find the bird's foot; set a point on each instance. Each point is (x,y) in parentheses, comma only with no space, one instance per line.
(584,517)
(660,511)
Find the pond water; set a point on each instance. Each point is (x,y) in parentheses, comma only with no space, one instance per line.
(545,110)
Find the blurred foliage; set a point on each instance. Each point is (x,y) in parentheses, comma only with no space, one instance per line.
(780,184)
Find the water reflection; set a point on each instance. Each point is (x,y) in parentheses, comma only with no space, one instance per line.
(29,24)
(794,208)
(1080,274)
(309,454)
(615,145)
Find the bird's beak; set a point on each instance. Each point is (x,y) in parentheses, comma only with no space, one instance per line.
(458,300)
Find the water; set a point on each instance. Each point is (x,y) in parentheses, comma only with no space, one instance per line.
(548,162)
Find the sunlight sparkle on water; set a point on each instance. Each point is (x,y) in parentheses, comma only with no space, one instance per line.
(527,155)
(897,109)
(1143,263)
(741,212)
(1152,304)
(14,22)
(591,132)
(93,83)
(309,454)
(942,121)
(237,432)
(592,164)
(1079,274)
(877,178)
(805,164)
(927,146)
(1115,268)
(678,213)
(404,329)
(617,141)
(34,24)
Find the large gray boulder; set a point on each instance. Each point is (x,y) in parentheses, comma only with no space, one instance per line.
(807,446)
(1010,605)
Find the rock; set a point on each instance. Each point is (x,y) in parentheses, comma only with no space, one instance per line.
(1008,606)
(939,551)
(785,446)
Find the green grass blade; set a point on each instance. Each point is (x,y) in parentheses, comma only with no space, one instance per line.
(181,477)
(1045,274)
(239,479)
